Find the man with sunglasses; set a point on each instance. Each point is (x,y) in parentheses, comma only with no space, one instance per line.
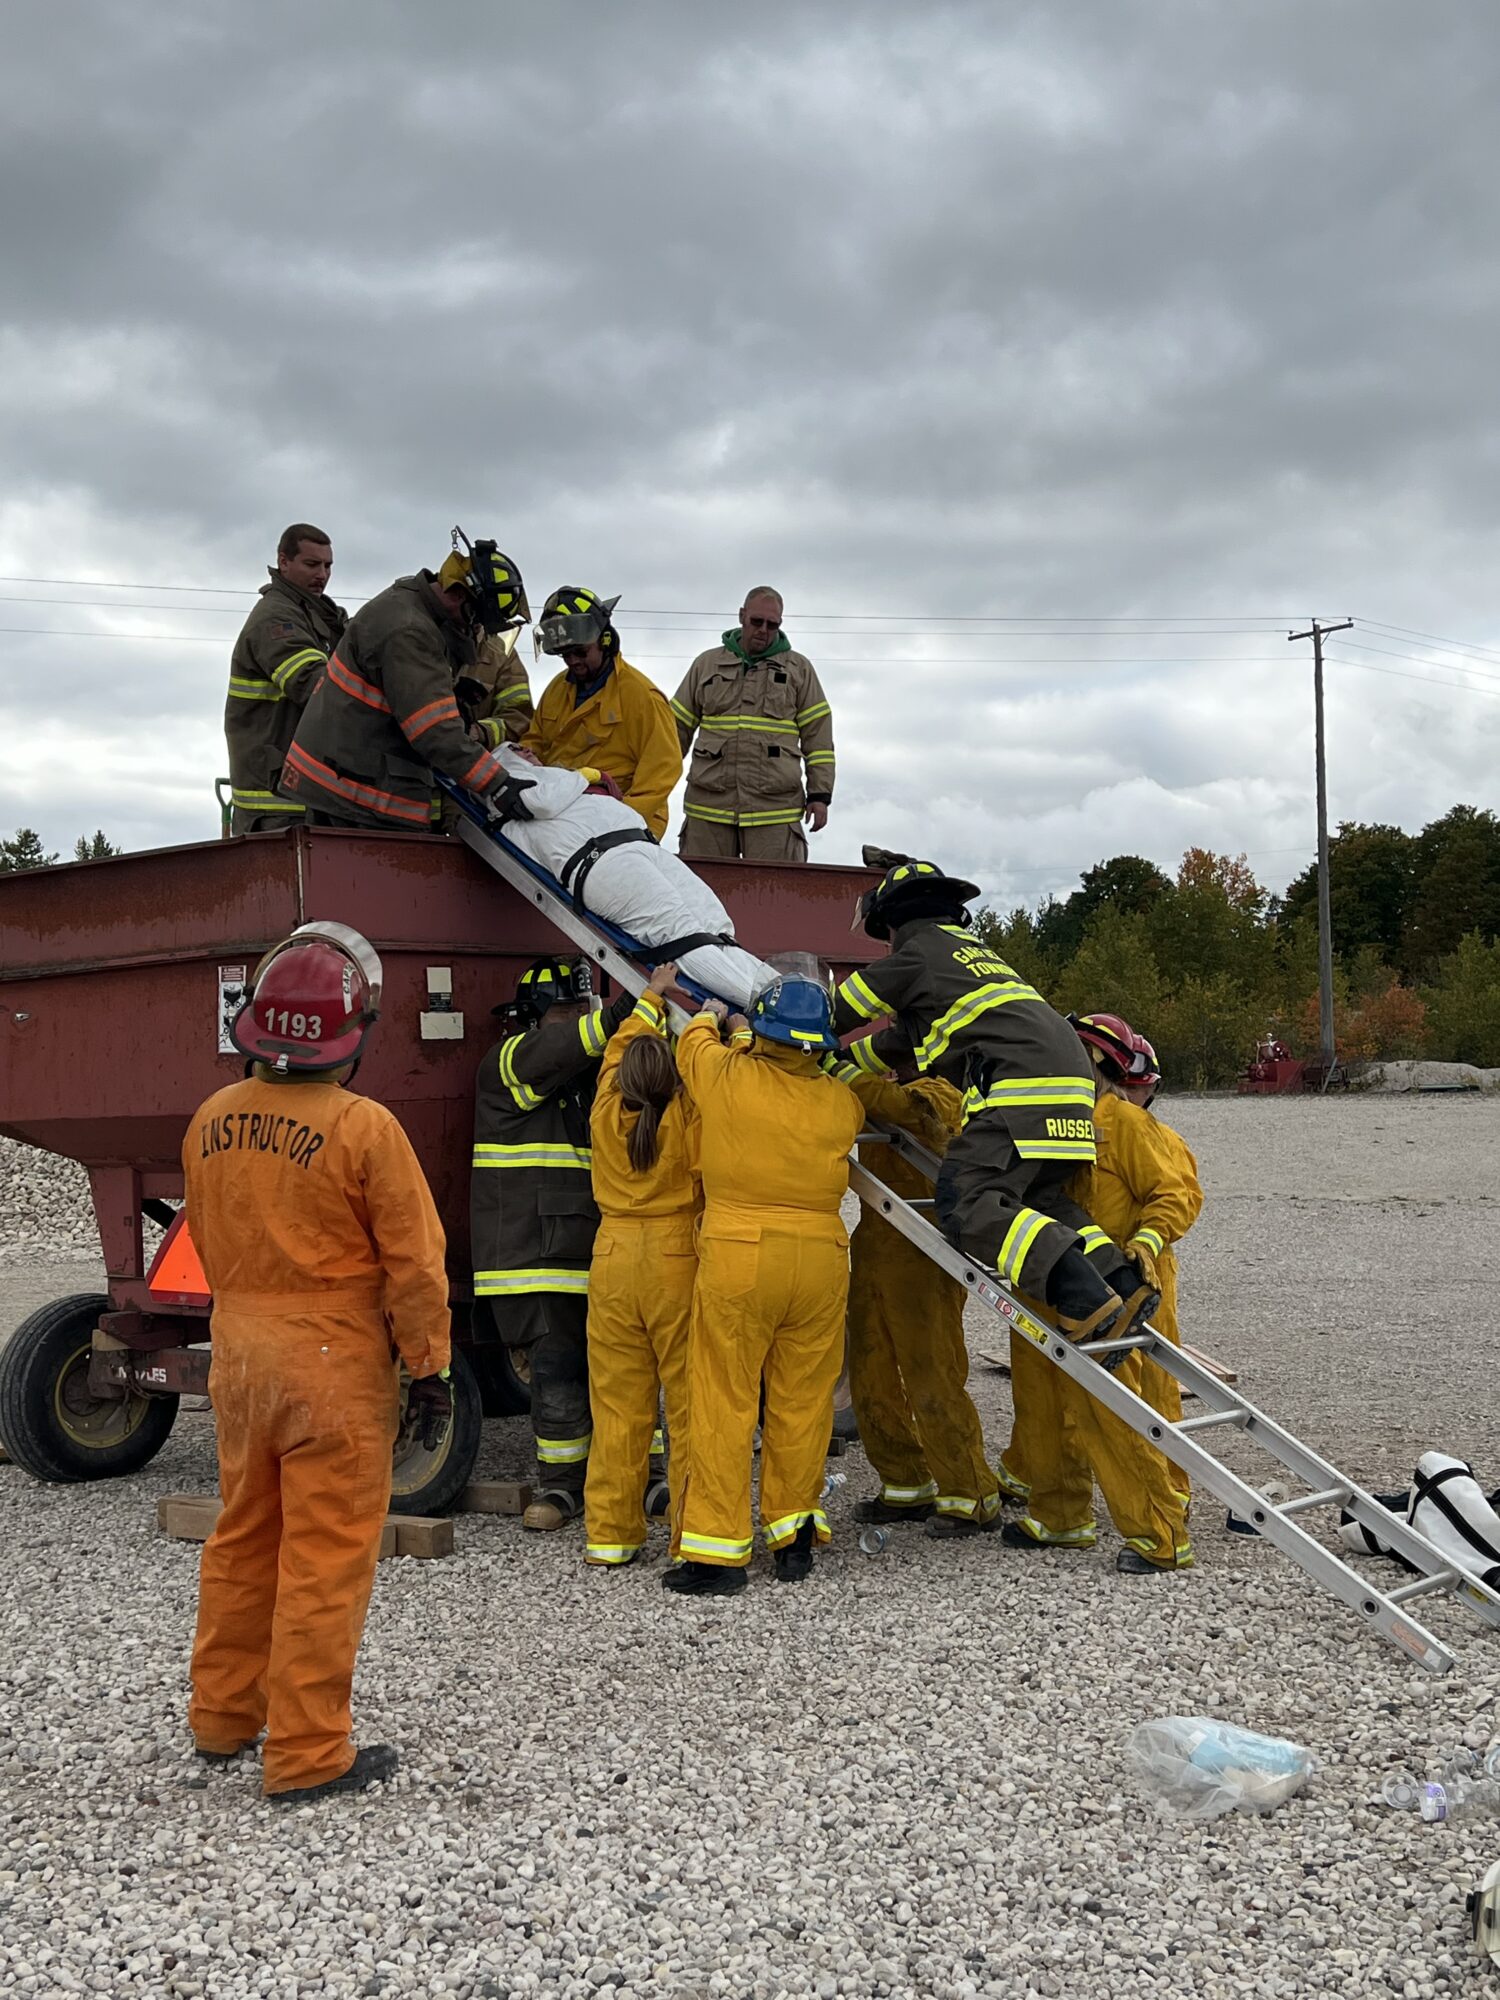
(761,722)
(600,713)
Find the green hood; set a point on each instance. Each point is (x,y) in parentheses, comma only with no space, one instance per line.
(733,644)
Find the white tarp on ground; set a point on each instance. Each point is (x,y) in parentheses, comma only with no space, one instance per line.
(647,892)
(1403,1076)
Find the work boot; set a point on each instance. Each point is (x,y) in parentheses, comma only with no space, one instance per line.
(880,1509)
(371,1766)
(658,1500)
(1130,1562)
(550,1511)
(1141,1300)
(230,1756)
(794,1563)
(1087,1308)
(1014,1536)
(960,1527)
(690,1579)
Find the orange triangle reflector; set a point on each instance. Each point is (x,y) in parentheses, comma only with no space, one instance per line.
(176,1275)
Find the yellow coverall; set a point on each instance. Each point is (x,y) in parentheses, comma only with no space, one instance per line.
(908,1361)
(625,729)
(319,1238)
(1143,1192)
(773,1283)
(640,1298)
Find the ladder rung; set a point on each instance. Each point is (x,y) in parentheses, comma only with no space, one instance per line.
(1333,1496)
(1442,1579)
(1213,1417)
(1132,1340)
(921,1201)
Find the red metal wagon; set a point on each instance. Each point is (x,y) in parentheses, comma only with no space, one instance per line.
(116,981)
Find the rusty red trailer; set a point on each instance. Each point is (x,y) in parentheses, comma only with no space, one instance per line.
(115,977)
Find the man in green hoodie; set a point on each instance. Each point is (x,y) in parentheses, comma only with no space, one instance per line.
(760,718)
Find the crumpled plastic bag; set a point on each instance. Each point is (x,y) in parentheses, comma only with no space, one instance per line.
(1195,1767)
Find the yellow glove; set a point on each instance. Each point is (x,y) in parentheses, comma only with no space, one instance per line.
(1143,1249)
(591,774)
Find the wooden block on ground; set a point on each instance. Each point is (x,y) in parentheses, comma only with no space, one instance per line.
(495,1496)
(417,1535)
(5,1457)
(387,1539)
(188,1517)
(1220,1368)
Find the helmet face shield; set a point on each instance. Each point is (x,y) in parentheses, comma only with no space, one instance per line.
(575,628)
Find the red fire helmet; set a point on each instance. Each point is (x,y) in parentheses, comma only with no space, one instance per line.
(1116,1047)
(312,1000)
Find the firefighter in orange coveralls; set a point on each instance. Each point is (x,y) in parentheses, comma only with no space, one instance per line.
(1141,1191)
(324,1253)
(644,1139)
(773,1282)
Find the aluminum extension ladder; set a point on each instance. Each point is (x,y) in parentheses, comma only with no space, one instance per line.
(1327,1489)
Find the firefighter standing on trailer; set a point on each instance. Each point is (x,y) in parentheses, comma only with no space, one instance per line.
(278,660)
(532,1212)
(600,714)
(385,715)
(761,720)
(320,1242)
(962,1013)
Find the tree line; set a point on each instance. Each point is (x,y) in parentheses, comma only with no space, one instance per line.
(25,850)
(1210,964)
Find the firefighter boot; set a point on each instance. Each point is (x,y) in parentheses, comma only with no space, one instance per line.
(1086,1307)
(552,1510)
(1141,1300)
(794,1562)
(890,1516)
(693,1579)
(371,1766)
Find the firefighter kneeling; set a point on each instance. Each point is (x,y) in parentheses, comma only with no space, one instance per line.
(319,1239)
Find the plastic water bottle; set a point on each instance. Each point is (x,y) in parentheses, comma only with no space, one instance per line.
(1401,1791)
(873,1540)
(832,1483)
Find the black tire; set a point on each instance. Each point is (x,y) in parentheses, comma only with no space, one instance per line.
(49,1423)
(428,1482)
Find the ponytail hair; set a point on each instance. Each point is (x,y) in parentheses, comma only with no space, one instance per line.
(648,1082)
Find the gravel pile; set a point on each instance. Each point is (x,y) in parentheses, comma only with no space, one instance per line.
(905,1778)
(45,1209)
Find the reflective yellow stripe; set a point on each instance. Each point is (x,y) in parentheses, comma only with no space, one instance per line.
(1151,1239)
(862,997)
(1094,1239)
(1070,1538)
(563,1451)
(865,1058)
(248,690)
(644,1010)
(733,724)
(295,662)
(1055,1149)
(1018,1489)
(593,1034)
(509,697)
(1068,1090)
(686,716)
(1019,1238)
(771,818)
(908,1496)
(611,1552)
(263,802)
(527,1098)
(507,1284)
(715,1548)
(820,757)
(543,1154)
(785,1527)
(714,813)
(964,1013)
(814,714)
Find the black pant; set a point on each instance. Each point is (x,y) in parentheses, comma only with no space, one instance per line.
(553,1328)
(1008,1213)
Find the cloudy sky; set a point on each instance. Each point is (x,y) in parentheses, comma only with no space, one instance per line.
(1052,359)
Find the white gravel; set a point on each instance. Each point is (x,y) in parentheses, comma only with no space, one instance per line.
(904,1778)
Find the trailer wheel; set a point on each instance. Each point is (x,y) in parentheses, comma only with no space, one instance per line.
(50,1423)
(428,1482)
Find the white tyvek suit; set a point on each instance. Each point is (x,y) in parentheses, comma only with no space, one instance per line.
(646,891)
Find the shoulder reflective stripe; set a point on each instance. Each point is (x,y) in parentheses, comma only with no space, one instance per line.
(563,1451)
(686,716)
(295,662)
(506,1284)
(716,814)
(1019,1238)
(862,997)
(1152,1240)
(355,685)
(244,689)
(964,1013)
(715,1548)
(543,1154)
(814,714)
(908,1496)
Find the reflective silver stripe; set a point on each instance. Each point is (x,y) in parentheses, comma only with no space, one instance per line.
(543,1154)
(506,1284)
(563,1451)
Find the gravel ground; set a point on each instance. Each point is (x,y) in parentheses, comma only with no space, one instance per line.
(905,1778)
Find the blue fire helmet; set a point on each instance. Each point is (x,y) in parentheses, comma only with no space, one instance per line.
(798,1012)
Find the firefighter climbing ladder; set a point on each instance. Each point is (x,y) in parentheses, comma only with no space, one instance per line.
(1221,1408)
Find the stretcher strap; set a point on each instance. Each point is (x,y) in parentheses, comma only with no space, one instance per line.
(663,954)
(1428,1488)
(576,870)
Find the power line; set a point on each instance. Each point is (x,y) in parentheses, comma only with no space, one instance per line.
(1446,645)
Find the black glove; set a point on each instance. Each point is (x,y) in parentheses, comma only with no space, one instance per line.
(504,801)
(429,1409)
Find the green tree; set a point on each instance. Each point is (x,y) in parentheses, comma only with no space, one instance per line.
(1213,925)
(1463,1008)
(97,849)
(1206,1032)
(1015,939)
(1128,882)
(1456,888)
(1114,971)
(24,851)
(1371,870)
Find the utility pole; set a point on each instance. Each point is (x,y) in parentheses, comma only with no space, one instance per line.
(1317,633)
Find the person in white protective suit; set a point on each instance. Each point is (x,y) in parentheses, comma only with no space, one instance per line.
(601,853)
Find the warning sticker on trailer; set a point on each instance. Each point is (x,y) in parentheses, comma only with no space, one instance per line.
(231,999)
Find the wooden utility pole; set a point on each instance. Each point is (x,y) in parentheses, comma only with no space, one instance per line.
(1317,633)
